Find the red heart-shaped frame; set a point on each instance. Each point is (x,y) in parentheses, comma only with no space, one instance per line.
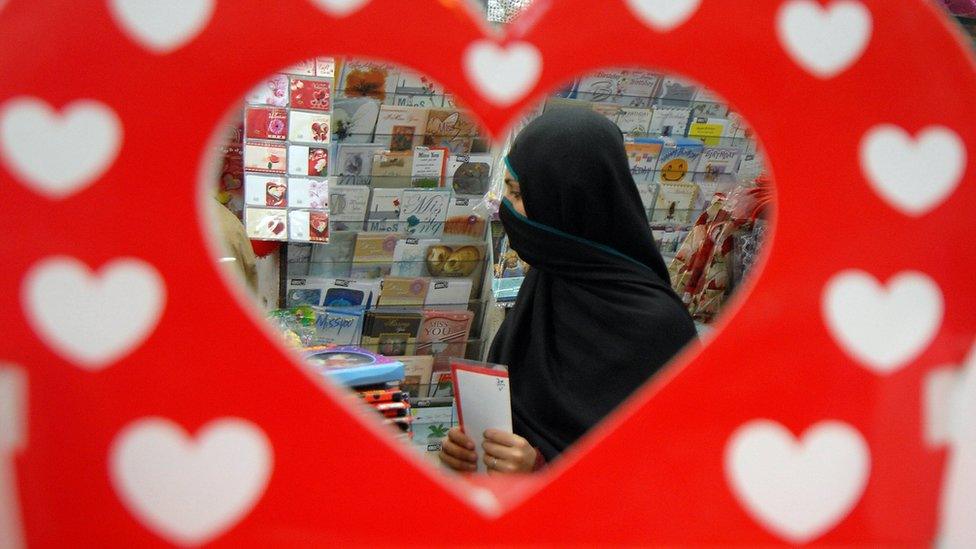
(655,471)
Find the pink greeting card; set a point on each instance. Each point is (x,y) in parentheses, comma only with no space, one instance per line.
(308,193)
(273,91)
(307,93)
(266,123)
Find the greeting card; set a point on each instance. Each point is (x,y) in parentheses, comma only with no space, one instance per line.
(266,122)
(325,67)
(391,170)
(273,91)
(428,167)
(465,220)
(709,130)
(349,203)
(309,127)
(264,156)
(298,225)
(416,90)
(354,120)
(311,94)
(708,105)
(678,161)
(621,87)
(303,68)
(308,193)
(304,160)
(266,224)
(335,258)
(669,121)
(367,79)
(634,121)
(675,202)
(675,92)
(718,165)
(423,211)
(318,222)
(403,291)
(409,255)
(469,174)
(373,255)
(449,293)
(444,334)
(339,326)
(643,158)
(384,210)
(450,128)
(263,190)
(400,128)
(354,163)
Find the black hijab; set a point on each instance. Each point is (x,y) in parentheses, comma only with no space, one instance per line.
(595,316)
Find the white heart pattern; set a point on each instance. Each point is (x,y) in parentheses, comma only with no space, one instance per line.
(503,75)
(189,491)
(87,136)
(825,41)
(340,8)
(92,319)
(664,15)
(162,27)
(798,490)
(883,328)
(913,175)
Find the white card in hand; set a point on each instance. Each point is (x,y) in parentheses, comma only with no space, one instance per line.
(484,401)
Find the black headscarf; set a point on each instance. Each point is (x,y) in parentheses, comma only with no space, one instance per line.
(595,316)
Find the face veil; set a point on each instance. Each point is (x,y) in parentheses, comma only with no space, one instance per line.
(596,316)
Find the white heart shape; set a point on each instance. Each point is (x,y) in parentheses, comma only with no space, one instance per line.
(663,15)
(503,75)
(825,41)
(162,27)
(883,328)
(86,135)
(913,175)
(189,491)
(798,490)
(93,319)
(339,8)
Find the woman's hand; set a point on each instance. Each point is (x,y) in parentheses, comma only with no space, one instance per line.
(457,451)
(508,453)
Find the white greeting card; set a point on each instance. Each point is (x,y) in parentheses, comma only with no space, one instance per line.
(348,202)
(423,211)
(265,190)
(308,193)
(309,127)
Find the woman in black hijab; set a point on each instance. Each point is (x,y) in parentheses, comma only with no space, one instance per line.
(596,316)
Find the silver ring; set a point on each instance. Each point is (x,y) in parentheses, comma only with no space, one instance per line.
(494,461)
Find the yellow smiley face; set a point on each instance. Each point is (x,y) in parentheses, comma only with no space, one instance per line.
(675,170)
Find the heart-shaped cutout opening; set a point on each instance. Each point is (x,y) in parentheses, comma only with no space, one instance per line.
(372,202)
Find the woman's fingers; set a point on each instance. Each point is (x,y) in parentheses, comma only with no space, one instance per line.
(499,452)
(505,439)
(457,436)
(456,451)
(455,463)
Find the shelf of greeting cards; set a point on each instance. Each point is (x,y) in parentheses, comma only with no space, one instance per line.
(472,186)
(625,100)
(746,144)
